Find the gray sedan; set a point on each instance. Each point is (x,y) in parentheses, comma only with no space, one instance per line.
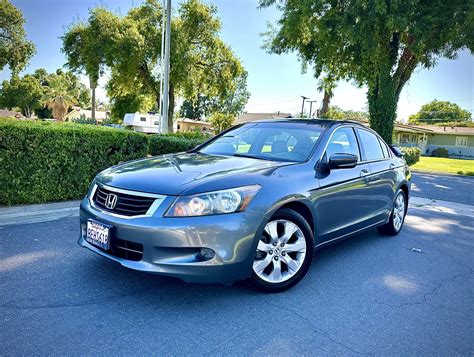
(251,203)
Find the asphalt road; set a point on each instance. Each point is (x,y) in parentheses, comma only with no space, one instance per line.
(453,188)
(367,295)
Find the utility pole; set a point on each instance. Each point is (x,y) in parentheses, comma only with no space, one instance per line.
(311,107)
(166,76)
(302,106)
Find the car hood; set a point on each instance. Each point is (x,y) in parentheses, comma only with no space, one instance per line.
(173,174)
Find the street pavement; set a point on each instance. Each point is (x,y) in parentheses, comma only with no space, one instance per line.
(405,295)
(453,188)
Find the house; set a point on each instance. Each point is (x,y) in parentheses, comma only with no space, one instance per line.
(248,117)
(10,114)
(77,113)
(185,124)
(459,141)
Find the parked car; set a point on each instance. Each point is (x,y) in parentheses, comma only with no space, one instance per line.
(251,203)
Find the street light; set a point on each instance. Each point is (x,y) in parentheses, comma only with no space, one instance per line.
(302,106)
(311,107)
(166,67)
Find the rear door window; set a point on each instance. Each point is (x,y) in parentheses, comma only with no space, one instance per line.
(370,144)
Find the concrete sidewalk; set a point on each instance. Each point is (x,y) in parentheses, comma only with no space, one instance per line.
(38,213)
(53,211)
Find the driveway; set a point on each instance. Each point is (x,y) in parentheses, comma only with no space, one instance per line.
(453,188)
(409,295)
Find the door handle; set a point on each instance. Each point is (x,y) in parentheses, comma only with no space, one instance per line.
(364,172)
(392,165)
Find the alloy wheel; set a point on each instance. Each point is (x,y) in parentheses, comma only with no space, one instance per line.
(280,252)
(399,212)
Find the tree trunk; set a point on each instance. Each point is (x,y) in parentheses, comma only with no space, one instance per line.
(325,106)
(93,85)
(383,98)
(171,108)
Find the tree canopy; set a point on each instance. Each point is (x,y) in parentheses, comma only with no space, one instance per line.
(28,92)
(201,63)
(337,113)
(230,103)
(377,43)
(438,112)
(15,49)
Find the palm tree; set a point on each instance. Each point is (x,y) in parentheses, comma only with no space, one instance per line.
(326,84)
(58,96)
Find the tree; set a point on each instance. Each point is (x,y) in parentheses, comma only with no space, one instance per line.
(24,93)
(83,45)
(59,96)
(233,103)
(15,49)
(437,112)
(377,43)
(201,63)
(326,85)
(221,122)
(337,113)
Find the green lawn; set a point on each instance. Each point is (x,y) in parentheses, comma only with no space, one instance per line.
(444,165)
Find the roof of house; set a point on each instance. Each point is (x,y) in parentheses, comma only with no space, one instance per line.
(435,129)
(193,121)
(10,114)
(248,117)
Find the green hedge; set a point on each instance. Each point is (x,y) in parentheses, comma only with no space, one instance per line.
(167,144)
(43,161)
(412,155)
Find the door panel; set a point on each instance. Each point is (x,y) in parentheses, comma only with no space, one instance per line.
(343,202)
(383,185)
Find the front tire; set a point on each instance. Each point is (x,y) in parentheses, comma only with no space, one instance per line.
(397,216)
(284,252)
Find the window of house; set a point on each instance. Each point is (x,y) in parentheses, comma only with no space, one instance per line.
(405,138)
(461,141)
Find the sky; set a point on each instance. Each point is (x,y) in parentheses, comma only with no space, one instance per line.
(275,82)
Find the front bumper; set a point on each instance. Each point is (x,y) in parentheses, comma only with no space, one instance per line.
(171,245)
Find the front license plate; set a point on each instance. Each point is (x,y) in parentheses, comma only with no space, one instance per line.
(98,234)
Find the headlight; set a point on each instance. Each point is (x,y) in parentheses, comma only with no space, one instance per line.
(216,202)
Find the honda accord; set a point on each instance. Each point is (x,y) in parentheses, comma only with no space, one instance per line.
(252,203)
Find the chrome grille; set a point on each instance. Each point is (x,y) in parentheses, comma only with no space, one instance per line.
(125,205)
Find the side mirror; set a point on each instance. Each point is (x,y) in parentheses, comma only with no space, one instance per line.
(397,151)
(342,161)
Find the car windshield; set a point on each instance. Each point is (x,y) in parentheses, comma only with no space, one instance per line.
(268,141)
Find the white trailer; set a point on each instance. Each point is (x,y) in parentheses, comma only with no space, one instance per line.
(143,123)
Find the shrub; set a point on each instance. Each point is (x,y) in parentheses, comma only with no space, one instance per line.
(221,122)
(44,161)
(167,144)
(412,155)
(440,152)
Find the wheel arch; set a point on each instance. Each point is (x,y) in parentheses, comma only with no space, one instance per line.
(302,206)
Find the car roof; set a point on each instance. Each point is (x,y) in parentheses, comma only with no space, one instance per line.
(318,121)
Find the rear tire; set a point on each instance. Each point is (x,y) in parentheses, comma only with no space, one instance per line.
(284,252)
(397,216)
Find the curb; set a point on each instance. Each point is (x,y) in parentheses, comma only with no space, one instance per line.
(38,213)
(441,206)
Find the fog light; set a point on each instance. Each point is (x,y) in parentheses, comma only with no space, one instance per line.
(207,253)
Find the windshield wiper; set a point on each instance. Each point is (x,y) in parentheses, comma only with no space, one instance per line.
(249,156)
(263,158)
